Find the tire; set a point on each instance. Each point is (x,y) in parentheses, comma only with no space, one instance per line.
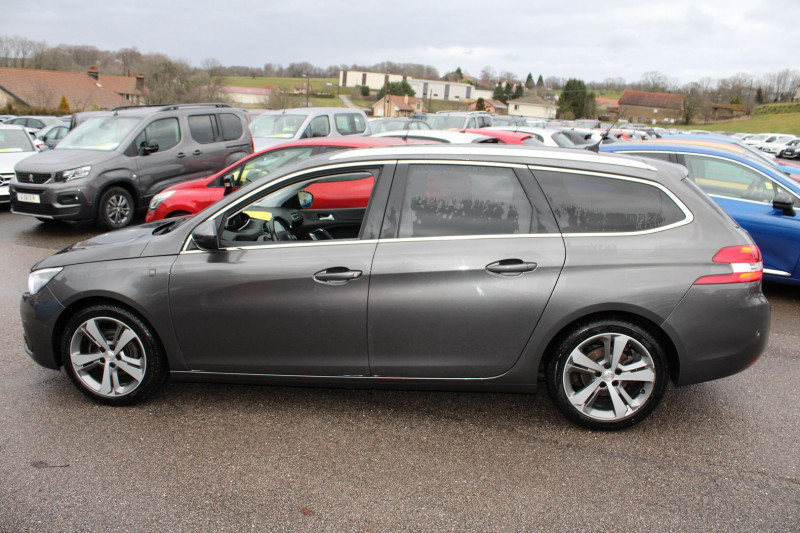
(116,209)
(592,389)
(112,356)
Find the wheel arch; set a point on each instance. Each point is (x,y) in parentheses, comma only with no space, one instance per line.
(124,184)
(93,300)
(626,316)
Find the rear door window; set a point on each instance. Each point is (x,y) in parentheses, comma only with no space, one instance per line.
(203,128)
(451,200)
(231,126)
(350,123)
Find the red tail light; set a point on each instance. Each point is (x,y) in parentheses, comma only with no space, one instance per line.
(746,265)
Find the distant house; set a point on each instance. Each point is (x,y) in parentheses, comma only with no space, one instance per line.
(249,96)
(83,92)
(641,106)
(496,107)
(532,106)
(398,106)
(606,108)
(723,111)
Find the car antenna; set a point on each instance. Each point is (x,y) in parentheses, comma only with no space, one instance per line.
(611,127)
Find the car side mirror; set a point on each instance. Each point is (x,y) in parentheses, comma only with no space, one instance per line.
(205,236)
(784,202)
(227,182)
(149,148)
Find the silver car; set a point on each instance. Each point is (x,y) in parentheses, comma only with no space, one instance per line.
(431,267)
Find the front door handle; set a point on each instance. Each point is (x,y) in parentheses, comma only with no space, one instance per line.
(180,155)
(510,267)
(337,275)
(197,152)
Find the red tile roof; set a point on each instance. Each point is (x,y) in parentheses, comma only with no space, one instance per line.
(44,88)
(655,100)
(400,102)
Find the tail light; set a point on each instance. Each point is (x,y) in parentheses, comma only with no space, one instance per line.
(746,265)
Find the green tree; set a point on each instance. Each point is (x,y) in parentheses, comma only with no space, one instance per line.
(459,73)
(529,83)
(572,103)
(518,91)
(480,104)
(502,92)
(759,95)
(398,88)
(63,106)
(540,82)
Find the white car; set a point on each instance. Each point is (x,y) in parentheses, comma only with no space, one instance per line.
(776,144)
(439,136)
(15,145)
(547,136)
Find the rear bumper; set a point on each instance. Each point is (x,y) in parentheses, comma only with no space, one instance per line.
(732,336)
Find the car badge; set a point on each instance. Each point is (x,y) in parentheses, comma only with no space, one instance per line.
(30,178)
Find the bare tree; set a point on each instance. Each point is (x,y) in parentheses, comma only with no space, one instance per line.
(488,75)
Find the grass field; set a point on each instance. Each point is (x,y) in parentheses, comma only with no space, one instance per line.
(781,123)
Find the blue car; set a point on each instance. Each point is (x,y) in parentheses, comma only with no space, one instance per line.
(758,196)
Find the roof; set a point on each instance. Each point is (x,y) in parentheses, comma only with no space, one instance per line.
(232,89)
(400,102)
(44,88)
(533,100)
(655,100)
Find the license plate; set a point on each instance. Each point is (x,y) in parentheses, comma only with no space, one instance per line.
(30,198)
(4,191)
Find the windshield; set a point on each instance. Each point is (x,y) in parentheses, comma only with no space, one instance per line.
(445,122)
(15,140)
(277,126)
(102,133)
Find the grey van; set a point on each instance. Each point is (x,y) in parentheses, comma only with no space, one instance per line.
(275,127)
(110,166)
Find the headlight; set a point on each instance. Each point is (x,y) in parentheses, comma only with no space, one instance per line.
(39,278)
(73,174)
(158,198)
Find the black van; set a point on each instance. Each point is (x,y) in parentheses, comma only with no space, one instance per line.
(111,165)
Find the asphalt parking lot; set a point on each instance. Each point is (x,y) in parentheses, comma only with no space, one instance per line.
(719,456)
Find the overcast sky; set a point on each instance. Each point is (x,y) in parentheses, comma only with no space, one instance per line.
(590,40)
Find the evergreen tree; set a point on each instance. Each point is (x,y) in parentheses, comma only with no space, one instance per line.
(63,106)
(398,88)
(540,82)
(529,84)
(572,103)
(759,96)
(480,104)
(518,92)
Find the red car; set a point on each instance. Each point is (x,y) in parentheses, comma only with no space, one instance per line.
(507,137)
(193,196)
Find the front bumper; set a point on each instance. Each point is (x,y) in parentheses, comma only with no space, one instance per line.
(56,203)
(40,313)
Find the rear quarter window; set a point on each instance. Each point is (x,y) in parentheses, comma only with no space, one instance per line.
(350,123)
(584,203)
(231,126)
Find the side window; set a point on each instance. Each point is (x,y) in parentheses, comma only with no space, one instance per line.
(450,200)
(35,123)
(727,178)
(259,167)
(231,126)
(595,204)
(471,124)
(318,127)
(350,123)
(166,132)
(203,128)
(291,213)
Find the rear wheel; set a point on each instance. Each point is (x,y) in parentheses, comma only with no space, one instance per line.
(116,209)
(607,374)
(111,355)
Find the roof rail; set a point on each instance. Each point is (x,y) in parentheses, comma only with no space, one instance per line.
(173,107)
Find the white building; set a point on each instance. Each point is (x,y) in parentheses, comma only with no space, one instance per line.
(425,89)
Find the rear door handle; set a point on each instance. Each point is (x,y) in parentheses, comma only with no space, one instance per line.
(337,275)
(180,155)
(197,152)
(511,267)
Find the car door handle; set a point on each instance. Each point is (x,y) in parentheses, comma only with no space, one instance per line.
(510,267)
(337,275)
(197,152)
(326,216)
(180,155)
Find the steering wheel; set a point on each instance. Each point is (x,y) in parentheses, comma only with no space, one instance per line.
(278,229)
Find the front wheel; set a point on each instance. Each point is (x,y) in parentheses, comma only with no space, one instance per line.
(111,355)
(607,374)
(116,209)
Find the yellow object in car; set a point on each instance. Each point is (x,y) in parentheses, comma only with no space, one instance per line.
(260,215)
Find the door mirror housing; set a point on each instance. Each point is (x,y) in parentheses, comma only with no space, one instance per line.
(148,148)
(205,236)
(785,203)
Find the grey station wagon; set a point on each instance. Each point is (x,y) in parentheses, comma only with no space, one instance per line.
(426,267)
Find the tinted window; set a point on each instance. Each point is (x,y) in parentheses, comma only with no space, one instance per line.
(449,200)
(727,178)
(231,126)
(350,123)
(594,204)
(319,127)
(203,128)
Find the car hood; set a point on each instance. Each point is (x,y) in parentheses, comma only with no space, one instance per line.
(57,160)
(9,159)
(124,243)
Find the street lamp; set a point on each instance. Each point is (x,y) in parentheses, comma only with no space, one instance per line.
(308,86)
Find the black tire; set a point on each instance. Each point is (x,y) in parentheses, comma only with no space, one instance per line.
(116,209)
(103,369)
(593,390)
